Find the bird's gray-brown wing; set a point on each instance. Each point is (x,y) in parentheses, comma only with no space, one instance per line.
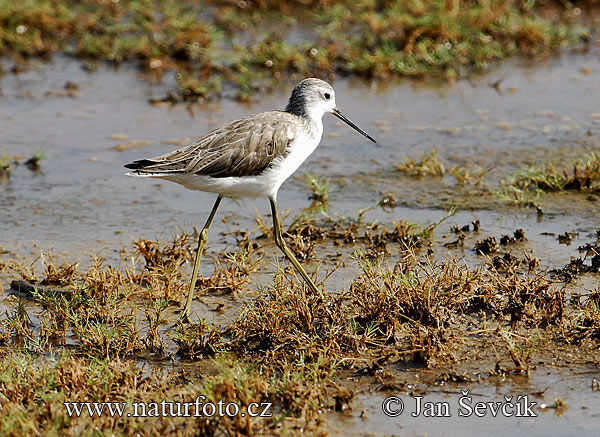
(245,147)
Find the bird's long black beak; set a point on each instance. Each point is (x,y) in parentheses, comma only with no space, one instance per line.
(342,117)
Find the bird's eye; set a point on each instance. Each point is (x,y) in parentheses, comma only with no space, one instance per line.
(327,96)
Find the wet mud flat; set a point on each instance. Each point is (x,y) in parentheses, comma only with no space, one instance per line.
(421,301)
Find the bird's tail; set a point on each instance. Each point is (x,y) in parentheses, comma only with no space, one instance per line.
(140,164)
(149,167)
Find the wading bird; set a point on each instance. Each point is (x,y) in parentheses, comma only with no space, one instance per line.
(250,157)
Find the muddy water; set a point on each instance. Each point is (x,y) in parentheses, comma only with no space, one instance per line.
(80,203)
(450,410)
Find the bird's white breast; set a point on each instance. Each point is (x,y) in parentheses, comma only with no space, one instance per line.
(299,150)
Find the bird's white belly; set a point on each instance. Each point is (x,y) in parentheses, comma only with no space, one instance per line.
(264,185)
(300,150)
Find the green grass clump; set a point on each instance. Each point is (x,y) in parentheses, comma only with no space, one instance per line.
(528,184)
(427,165)
(225,46)
(4,166)
(319,186)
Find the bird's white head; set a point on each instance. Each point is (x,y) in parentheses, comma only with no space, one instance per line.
(312,98)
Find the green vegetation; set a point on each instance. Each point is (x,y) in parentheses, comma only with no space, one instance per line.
(527,185)
(7,161)
(33,163)
(427,165)
(218,47)
(319,186)
(4,166)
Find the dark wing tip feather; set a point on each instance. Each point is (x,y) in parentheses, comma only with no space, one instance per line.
(139,164)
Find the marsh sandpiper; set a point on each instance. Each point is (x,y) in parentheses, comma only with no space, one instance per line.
(250,157)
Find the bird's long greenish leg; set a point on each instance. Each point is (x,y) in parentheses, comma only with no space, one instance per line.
(280,242)
(202,239)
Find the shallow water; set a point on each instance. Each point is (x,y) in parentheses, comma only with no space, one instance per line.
(81,203)
(577,417)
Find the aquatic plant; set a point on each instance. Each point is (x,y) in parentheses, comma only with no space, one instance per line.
(427,165)
(528,184)
(319,186)
(4,166)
